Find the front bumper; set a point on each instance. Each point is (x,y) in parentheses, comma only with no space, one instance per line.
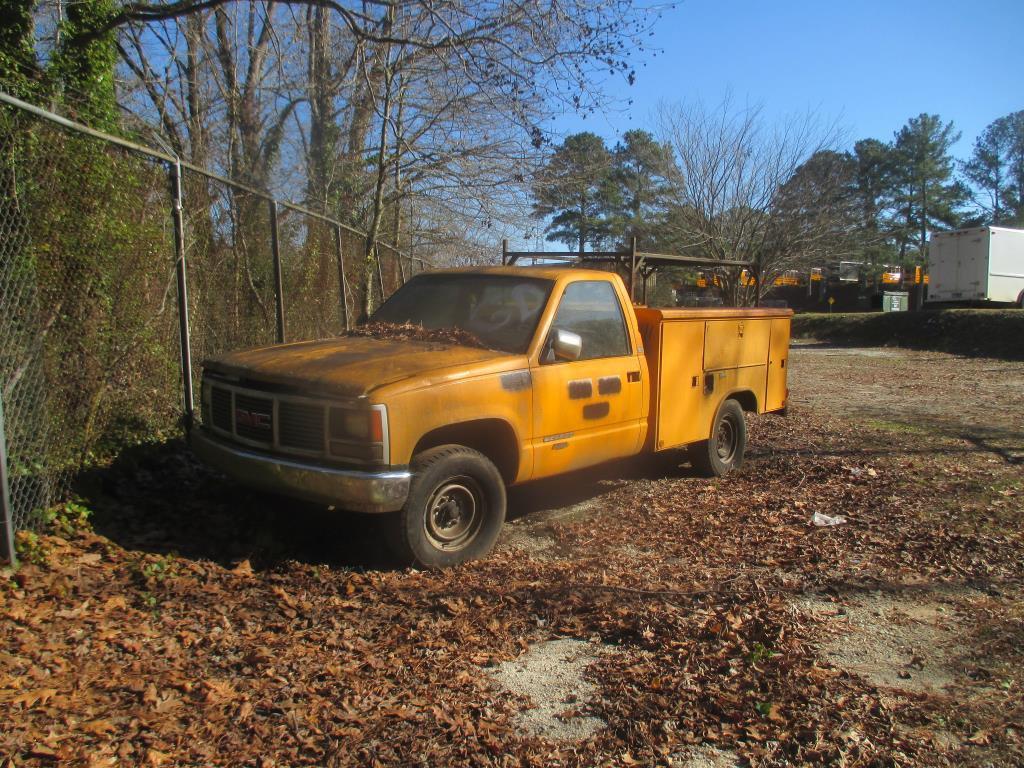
(383,491)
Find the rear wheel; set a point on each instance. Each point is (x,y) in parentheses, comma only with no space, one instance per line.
(724,451)
(454,512)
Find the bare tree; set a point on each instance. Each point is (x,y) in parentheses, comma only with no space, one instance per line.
(368,107)
(726,192)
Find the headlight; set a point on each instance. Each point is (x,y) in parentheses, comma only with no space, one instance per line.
(358,433)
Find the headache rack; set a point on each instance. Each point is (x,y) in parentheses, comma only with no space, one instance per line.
(632,261)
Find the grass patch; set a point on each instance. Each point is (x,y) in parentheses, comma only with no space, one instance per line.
(898,426)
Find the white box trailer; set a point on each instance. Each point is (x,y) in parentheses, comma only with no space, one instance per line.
(981,264)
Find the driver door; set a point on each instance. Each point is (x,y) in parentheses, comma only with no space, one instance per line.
(588,410)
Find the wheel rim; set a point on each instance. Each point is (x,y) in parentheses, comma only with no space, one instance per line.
(454,513)
(725,440)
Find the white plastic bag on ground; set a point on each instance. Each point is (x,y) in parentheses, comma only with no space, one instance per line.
(823,520)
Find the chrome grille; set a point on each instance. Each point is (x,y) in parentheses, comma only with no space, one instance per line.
(288,423)
(300,426)
(220,408)
(254,418)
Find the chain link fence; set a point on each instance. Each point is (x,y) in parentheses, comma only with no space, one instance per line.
(91,327)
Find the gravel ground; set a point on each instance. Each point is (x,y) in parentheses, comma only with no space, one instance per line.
(977,399)
(551,676)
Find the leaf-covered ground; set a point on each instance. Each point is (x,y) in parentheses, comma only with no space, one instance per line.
(197,624)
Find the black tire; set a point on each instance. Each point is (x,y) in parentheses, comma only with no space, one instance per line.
(454,512)
(724,451)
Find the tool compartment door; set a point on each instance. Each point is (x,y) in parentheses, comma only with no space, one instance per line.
(735,343)
(681,406)
(778,366)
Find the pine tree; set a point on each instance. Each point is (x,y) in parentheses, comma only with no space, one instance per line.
(875,189)
(577,191)
(640,167)
(928,195)
(996,168)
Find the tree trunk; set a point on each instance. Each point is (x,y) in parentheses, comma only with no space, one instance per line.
(583,225)
(924,218)
(377,211)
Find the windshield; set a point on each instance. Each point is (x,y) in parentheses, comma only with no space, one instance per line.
(500,310)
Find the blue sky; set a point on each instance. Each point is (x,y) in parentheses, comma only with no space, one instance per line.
(870,64)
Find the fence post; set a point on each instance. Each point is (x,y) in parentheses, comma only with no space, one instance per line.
(276,252)
(6,511)
(342,280)
(188,400)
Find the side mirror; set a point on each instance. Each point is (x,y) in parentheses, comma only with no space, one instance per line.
(566,345)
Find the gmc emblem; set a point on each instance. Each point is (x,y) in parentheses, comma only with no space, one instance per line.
(252,419)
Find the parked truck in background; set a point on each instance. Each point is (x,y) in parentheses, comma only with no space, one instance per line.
(981,264)
(567,374)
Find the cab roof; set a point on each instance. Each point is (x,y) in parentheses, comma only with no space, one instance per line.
(544,272)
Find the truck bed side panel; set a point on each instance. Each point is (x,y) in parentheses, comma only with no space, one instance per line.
(698,358)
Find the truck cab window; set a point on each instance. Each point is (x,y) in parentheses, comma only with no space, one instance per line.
(590,308)
(500,310)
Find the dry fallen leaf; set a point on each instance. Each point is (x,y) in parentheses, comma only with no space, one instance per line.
(98,727)
(32,698)
(694,625)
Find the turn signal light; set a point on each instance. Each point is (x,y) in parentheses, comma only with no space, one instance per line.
(359,451)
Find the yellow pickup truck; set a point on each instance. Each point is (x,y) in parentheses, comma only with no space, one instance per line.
(552,370)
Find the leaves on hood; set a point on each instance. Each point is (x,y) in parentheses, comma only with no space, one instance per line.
(412,332)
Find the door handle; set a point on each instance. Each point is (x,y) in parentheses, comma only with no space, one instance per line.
(633,376)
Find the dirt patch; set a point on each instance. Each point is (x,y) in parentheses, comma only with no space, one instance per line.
(928,390)
(536,534)
(551,676)
(806,346)
(705,757)
(533,540)
(905,643)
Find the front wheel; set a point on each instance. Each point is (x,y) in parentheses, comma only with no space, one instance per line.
(454,512)
(723,452)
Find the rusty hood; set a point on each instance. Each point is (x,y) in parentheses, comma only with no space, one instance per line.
(348,366)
